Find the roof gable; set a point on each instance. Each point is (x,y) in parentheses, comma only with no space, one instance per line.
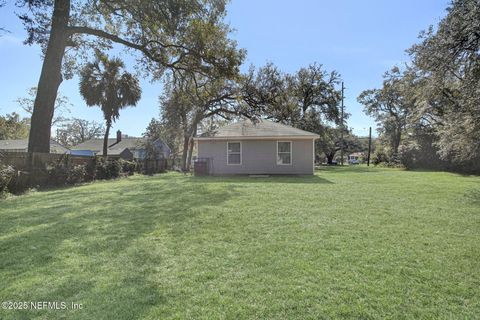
(131,144)
(261,129)
(97,144)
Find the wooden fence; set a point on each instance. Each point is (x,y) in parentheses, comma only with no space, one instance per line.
(32,166)
(152,166)
(37,160)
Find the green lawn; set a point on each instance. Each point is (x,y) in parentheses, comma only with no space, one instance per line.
(345,243)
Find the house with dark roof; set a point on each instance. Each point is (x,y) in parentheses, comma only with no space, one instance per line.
(124,147)
(262,147)
(21,145)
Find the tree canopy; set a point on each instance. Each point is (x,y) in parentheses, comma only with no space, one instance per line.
(61,109)
(173,35)
(12,126)
(104,83)
(75,131)
(389,106)
(435,99)
(189,100)
(447,63)
(289,98)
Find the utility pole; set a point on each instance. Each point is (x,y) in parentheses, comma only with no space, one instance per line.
(341,130)
(369,145)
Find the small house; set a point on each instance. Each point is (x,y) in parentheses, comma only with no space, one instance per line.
(262,147)
(124,147)
(355,158)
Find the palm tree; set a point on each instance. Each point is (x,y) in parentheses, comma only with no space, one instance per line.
(103,83)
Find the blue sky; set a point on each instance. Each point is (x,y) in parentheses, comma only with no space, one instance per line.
(359,39)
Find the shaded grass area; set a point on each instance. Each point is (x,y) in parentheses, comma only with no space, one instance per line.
(346,243)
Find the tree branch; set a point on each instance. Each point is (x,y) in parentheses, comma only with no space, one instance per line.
(105,35)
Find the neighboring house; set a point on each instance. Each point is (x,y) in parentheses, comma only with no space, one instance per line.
(355,158)
(264,147)
(21,145)
(121,147)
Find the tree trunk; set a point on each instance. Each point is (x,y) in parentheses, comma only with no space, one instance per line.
(186,140)
(330,157)
(193,134)
(190,151)
(105,139)
(395,140)
(50,79)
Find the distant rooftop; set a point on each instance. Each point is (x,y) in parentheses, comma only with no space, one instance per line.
(22,145)
(96,145)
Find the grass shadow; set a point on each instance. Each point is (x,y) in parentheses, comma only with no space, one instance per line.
(300,179)
(348,169)
(55,248)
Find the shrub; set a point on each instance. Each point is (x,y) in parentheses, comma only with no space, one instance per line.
(57,174)
(101,172)
(60,174)
(379,156)
(91,170)
(128,167)
(20,182)
(7,174)
(382,159)
(107,169)
(77,174)
(114,169)
(391,164)
(407,155)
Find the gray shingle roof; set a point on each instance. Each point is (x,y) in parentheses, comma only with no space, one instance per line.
(261,129)
(96,145)
(22,145)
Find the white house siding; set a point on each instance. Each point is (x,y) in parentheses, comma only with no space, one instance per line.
(258,157)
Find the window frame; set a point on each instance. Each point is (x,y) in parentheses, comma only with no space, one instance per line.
(240,153)
(291,153)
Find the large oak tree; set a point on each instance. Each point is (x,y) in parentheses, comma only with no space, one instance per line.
(188,101)
(447,65)
(186,35)
(389,106)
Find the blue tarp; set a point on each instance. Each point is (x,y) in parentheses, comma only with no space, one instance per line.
(82,152)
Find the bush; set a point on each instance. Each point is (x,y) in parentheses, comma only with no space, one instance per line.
(421,152)
(391,164)
(382,159)
(77,174)
(128,167)
(101,172)
(57,174)
(7,174)
(107,169)
(379,156)
(20,182)
(114,169)
(60,174)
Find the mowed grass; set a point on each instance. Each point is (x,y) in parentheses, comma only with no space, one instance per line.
(358,243)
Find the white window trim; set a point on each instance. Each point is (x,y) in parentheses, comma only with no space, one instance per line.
(291,154)
(235,164)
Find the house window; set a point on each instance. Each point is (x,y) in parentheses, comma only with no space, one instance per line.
(234,153)
(284,152)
